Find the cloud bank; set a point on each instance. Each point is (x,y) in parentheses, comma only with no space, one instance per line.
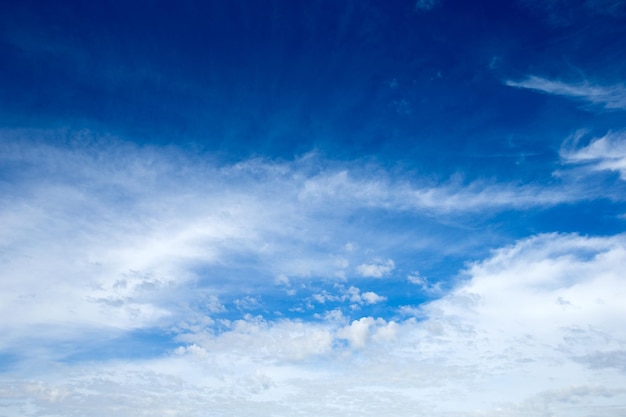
(536,329)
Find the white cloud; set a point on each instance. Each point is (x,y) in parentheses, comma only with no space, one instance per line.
(378,269)
(370,297)
(105,239)
(609,97)
(352,294)
(504,342)
(247,303)
(102,234)
(360,332)
(416,278)
(348,189)
(282,279)
(423,282)
(605,153)
(367,297)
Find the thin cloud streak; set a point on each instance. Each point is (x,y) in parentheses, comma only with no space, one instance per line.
(610,97)
(607,153)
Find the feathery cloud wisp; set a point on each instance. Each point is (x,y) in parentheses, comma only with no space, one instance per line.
(610,97)
(605,153)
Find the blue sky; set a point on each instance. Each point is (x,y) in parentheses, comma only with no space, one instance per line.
(321,208)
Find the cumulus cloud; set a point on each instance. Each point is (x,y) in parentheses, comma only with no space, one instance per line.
(368,297)
(371,297)
(359,332)
(610,97)
(351,294)
(604,153)
(377,269)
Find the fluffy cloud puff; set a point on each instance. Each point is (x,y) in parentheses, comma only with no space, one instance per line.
(377,269)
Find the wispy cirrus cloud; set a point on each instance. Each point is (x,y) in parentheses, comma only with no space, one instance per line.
(346,187)
(612,97)
(607,153)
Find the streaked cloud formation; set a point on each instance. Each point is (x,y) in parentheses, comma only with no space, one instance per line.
(604,153)
(611,97)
